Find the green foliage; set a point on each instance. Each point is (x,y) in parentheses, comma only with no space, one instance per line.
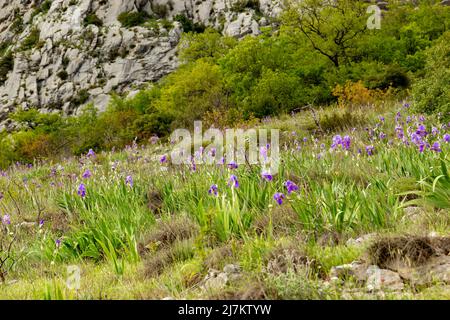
(241,5)
(6,65)
(63,75)
(31,41)
(92,18)
(431,93)
(332,29)
(188,25)
(43,8)
(133,19)
(209,44)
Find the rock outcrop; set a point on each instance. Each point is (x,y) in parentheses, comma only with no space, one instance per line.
(62,54)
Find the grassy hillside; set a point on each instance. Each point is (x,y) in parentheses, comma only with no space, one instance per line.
(139,227)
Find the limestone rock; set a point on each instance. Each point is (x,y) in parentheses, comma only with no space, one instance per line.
(71,57)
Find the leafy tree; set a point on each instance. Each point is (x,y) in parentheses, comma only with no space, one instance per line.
(333,28)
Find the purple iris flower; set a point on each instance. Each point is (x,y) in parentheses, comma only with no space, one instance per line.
(82,190)
(233,182)
(422,146)
(41,223)
(369,150)
(290,186)
(6,219)
(87,174)
(435,131)
(91,153)
(163,159)
(129,181)
(213,190)
(232,165)
(58,243)
(400,132)
(382,135)
(263,152)
(267,176)
(346,141)
(279,197)
(337,140)
(447,137)
(421,130)
(436,147)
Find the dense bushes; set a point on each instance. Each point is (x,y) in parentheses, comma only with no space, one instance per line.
(133,19)
(432,92)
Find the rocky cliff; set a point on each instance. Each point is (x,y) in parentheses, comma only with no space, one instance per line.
(62,54)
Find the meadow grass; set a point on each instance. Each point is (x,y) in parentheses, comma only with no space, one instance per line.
(344,190)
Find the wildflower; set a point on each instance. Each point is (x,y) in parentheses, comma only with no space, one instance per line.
(129,181)
(87,174)
(233,182)
(91,153)
(58,243)
(163,159)
(346,141)
(213,190)
(381,118)
(435,131)
(382,135)
(41,223)
(267,176)
(154,139)
(263,152)
(416,139)
(213,152)
(447,137)
(6,219)
(290,186)
(369,150)
(82,190)
(278,197)
(422,147)
(232,165)
(436,147)
(337,140)
(400,132)
(421,130)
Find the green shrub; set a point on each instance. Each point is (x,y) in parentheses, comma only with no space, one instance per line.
(81,97)
(188,25)
(160,10)
(241,5)
(431,93)
(31,41)
(92,18)
(44,7)
(6,65)
(63,75)
(133,19)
